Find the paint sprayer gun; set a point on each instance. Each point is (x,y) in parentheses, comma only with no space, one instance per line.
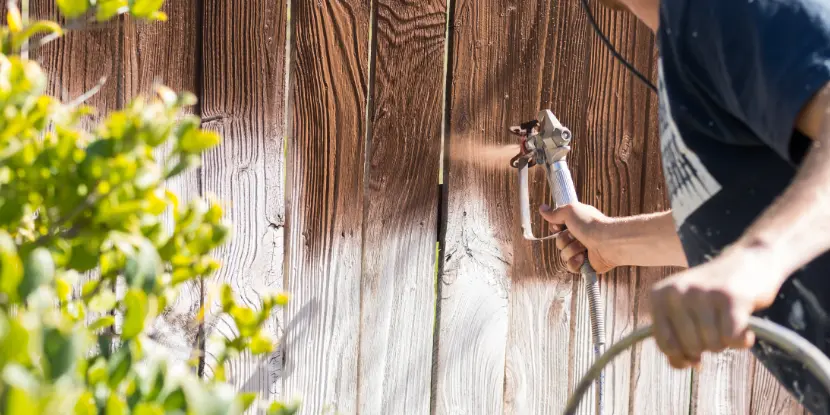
(546,142)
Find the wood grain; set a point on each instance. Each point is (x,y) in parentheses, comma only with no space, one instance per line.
(656,386)
(723,384)
(243,55)
(75,64)
(546,303)
(168,53)
(769,397)
(495,83)
(398,285)
(329,89)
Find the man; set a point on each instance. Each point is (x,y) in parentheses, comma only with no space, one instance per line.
(745,140)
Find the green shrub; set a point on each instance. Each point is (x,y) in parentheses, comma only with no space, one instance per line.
(81,212)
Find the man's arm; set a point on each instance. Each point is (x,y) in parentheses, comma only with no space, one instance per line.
(707,308)
(641,240)
(796,228)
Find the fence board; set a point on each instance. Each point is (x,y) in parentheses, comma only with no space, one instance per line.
(329,84)
(611,136)
(769,398)
(398,286)
(656,387)
(541,340)
(243,94)
(167,53)
(496,82)
(76,64)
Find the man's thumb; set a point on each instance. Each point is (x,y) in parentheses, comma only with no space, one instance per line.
(556,216)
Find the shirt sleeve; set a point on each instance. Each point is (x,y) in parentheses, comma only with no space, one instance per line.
(763,60)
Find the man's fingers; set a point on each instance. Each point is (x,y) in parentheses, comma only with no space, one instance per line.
(563,239)
(706,321)
(556,216)
(683,328)
(573,249)
(734,328)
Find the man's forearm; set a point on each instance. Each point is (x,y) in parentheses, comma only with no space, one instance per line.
(648,240)
(796,228)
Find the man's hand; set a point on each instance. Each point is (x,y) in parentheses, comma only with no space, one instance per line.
(643,240)
(588,230)
(707,308)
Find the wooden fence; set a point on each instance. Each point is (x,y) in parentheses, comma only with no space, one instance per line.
(352,134)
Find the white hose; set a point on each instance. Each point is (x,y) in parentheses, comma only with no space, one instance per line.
(787,340)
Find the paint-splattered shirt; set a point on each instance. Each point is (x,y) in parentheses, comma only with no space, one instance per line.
(733,76)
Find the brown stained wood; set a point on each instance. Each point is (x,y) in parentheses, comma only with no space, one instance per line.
(75,64)
(769,397)
(542,342)
(496,64)
(398,285)
(243,58)
(167,53)
(329,89)
(610,146)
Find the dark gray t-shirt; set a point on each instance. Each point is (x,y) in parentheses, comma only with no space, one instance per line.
(733,77)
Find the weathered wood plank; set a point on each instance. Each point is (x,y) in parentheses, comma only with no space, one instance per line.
(76,64)
(329,88)
(243,100)
(615,129)
(398,286)
(656,388)
(168,53)
(723,384)
(544,310)
(769,397)
(496,62)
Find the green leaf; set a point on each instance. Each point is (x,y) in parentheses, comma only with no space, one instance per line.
(116,406)
(144,266)
(103,302)
(119,366)
(245,319)
(11,268)
(19,402)
(245,400)
(148,409)
(261,343)
(145,8)
(39,269)
(136,305)
(102,322)
(38,27)
(73,8)
(279,408)
(86,404)
(107,9)
(60,350)
(175,400)
(97,372)
(195,140)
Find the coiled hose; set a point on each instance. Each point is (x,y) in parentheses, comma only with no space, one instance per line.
(787,340)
